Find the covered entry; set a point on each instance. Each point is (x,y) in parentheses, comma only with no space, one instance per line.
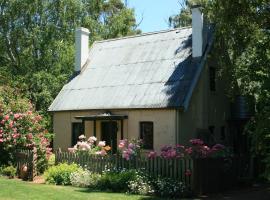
(109,127)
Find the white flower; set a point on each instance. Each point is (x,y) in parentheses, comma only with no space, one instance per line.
(92,139)
(81,137)
(102,144)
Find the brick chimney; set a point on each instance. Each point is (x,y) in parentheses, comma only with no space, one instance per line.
(81,47)
(197,31)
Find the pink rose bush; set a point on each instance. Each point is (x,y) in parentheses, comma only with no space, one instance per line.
(196,149)
(23,130)
(129,149)
(88,146)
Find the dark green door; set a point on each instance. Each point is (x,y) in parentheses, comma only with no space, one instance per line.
(109,134)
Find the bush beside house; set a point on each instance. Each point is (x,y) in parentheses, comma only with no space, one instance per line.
(21,127)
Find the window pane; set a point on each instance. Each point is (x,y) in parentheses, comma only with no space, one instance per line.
(77,130)
(212,78)
(146,134)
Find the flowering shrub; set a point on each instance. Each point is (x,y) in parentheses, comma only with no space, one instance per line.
(169,188)
(84,178)
(196,149)
(141,185)
(90,147)
(23,130)
(129,149)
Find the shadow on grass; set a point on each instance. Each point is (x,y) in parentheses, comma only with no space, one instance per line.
(87,190)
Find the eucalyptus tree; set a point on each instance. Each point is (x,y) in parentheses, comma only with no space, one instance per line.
(37,40)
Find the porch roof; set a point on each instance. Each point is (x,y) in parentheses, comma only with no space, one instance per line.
(102,117)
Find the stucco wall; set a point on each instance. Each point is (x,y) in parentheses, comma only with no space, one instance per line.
(164,125)
(206,108)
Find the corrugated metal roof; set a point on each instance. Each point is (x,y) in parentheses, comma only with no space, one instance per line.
(146,71)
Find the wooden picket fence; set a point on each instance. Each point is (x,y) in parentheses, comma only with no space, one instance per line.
(26,158)
(202,176)
(177,168)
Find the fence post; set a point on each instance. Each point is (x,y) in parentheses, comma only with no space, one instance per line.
(33,164)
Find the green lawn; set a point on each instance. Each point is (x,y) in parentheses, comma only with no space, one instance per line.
(16,189)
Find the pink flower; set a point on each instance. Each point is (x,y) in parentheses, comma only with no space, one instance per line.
(38,118)
(11,124)
(152,154)
(15,135)
(102,144)
(29,112)
(71,150)
(92,139)
(122,144)
(196,141)
(188,173)
(6,117)
(1,140)
(16,115)
(102,153)
(126,155)
(131,146)
(218,147)
(189,150)
(84,146)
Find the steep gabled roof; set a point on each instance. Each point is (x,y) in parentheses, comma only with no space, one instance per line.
(153,70)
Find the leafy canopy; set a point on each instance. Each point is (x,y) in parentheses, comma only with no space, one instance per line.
(37,40)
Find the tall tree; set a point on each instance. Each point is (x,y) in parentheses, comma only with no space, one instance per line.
(242,28)
(37,40)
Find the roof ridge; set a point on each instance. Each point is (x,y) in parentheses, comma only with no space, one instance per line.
(142,34)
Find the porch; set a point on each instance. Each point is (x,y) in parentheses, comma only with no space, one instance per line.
(108,127)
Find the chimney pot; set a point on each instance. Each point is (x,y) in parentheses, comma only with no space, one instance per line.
(197,31)
(81,47)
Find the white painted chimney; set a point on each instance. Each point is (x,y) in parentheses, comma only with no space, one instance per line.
(81,47)
(197,31)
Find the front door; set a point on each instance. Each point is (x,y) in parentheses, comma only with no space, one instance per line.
(109,134)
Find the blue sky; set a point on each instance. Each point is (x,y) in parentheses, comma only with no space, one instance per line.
(155,13)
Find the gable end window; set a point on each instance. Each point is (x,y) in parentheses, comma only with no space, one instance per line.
(212,78)
(146,134)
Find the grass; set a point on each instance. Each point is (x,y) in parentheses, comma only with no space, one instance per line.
(19,190)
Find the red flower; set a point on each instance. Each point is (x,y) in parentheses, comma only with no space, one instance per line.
(188,173)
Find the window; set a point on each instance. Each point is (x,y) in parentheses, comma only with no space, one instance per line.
(212,78)
(146,134)
(77,130)
(222,133)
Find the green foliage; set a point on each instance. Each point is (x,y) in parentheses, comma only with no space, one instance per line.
(37,41)
(142,185)
(9,171)
(169,188)
(242,51)
(21,127)
(116,181)
(60,174)
(51,160)
(183,18)
(85,178)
